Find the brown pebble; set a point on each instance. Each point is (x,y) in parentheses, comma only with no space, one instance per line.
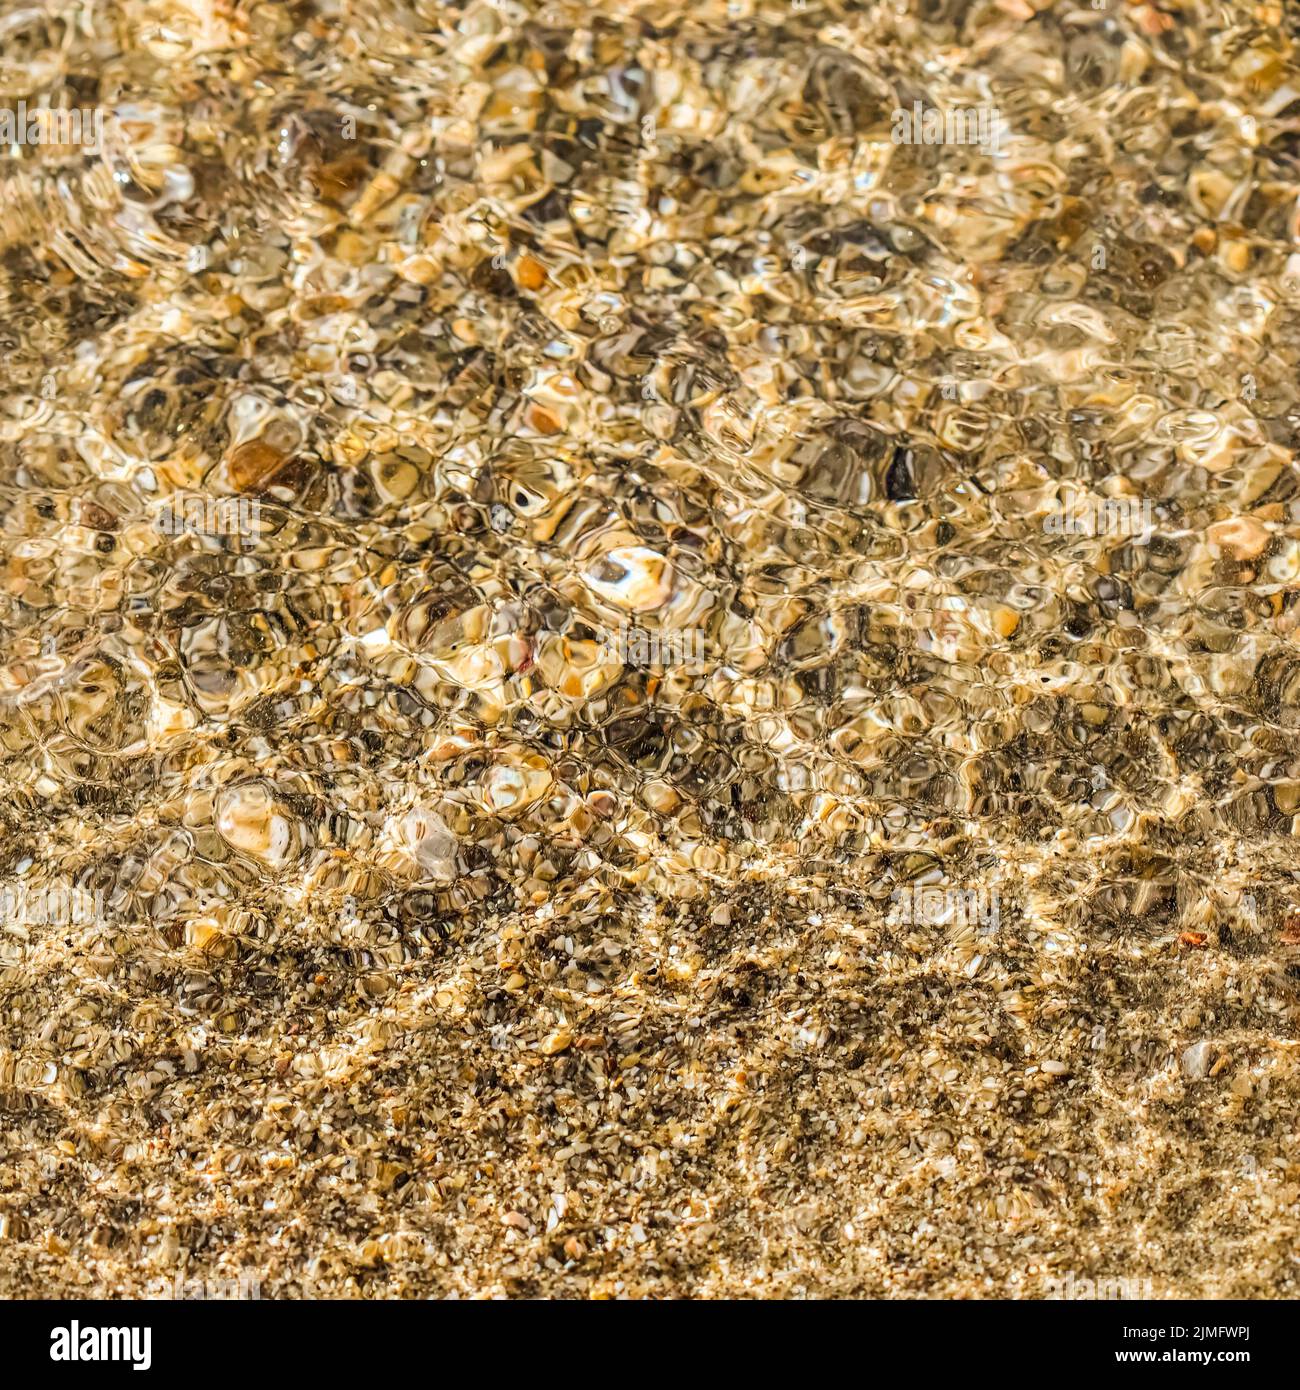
(255,463)
(530,273)
(1242,536)
(538,418)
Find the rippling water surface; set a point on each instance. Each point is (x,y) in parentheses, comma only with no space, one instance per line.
(624,675)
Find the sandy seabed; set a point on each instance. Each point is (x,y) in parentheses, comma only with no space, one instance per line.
(649,649)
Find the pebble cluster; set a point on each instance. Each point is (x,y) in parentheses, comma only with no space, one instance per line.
(383,362)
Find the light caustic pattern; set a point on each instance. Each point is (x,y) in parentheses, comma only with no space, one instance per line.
(388,358)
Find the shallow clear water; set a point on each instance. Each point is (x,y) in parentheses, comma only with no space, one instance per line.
(649,649)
